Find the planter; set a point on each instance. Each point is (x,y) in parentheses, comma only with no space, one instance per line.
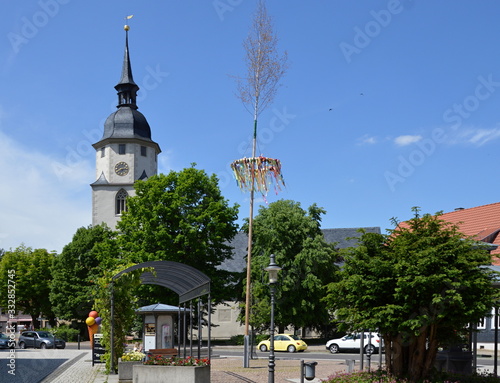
(457,362)
(177,374)
(125,370)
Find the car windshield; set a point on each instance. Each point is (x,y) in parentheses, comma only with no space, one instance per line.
(3,336)
(45,334)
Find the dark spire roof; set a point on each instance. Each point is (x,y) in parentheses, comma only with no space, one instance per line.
(127,77)
(127,88)
(126,122)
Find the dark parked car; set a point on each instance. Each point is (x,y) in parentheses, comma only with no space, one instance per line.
(6,341)
(39,339)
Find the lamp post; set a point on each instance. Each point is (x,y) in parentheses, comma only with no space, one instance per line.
(272,269)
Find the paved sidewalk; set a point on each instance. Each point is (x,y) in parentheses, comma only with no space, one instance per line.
(77,369)
(230,370)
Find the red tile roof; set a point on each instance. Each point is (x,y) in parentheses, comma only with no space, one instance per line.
(481,222)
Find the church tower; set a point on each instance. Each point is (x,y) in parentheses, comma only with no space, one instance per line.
(126,153)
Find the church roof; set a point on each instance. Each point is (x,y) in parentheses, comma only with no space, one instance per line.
(343,237)
(101,180)
(127,123)
(143,175)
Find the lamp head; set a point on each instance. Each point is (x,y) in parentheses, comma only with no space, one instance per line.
(273,269)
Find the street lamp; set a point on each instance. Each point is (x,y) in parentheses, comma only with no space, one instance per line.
(272,269)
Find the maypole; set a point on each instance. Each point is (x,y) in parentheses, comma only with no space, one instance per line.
(264,71)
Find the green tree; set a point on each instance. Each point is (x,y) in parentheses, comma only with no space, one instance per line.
(125,304)
(181,217)
(420,287)
(308,261)
(25,282)
(75,270)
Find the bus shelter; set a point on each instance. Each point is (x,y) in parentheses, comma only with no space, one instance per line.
(189,284)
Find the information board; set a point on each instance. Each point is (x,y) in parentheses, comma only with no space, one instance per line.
(97,349)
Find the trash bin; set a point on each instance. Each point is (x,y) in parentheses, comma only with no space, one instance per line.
(310,370)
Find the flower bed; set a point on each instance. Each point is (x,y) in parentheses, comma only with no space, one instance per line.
(383,377)
(134,356)
(173,361)
(179,370)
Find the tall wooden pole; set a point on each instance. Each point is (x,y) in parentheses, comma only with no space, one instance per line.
(248,348)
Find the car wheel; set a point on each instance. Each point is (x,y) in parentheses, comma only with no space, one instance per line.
(22,345)
(291,348)
(43,346)
(334,348)
(263,348)
(369,349)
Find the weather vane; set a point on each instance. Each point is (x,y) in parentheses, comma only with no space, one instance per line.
(126,27)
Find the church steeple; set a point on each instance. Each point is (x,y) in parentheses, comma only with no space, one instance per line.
(127,88)
(125,153)
(127,122)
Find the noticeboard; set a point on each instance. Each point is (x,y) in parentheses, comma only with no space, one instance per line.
(97,349)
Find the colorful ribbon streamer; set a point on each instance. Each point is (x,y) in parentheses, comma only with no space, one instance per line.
(262,170)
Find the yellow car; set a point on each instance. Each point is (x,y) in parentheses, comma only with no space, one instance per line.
(284,342)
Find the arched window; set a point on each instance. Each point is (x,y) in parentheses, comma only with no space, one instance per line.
(121,201)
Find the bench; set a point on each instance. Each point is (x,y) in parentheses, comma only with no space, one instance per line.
(164,352)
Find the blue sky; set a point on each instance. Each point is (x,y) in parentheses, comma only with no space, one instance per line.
(386,104)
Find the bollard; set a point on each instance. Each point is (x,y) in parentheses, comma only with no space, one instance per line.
(350,365)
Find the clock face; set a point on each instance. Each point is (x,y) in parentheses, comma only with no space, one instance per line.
(121,168)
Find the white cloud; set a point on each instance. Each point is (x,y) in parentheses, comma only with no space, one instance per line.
(472,136)
(480,137)
(406,140)
(367,140)
(41,208)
